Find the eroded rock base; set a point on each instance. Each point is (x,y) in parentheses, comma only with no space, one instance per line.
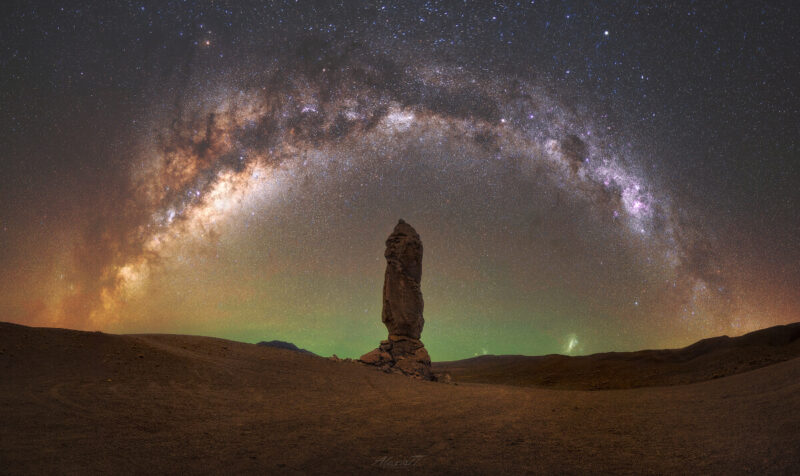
(402,355)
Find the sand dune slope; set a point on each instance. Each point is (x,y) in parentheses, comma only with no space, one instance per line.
(705,360)
(82,403)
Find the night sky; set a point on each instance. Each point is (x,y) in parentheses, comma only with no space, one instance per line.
(585,176)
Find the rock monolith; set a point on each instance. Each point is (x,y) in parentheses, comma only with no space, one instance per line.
(403,351)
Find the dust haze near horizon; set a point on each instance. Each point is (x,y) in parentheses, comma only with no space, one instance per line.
(583,178)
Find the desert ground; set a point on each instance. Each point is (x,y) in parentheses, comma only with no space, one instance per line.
(85,403)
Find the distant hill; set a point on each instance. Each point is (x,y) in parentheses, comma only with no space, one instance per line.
(705,360)
(279,344)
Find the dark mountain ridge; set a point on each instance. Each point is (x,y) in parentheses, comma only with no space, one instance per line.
(279,344)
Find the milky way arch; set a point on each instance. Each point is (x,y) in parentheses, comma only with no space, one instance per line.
(234,144)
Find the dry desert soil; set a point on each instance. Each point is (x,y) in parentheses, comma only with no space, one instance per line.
(88,403)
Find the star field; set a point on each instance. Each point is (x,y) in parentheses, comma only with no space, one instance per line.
(585,176)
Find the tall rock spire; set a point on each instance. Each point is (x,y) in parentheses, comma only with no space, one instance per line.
(403,352)
(402,296)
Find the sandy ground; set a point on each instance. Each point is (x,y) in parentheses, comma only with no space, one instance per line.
(84,403)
